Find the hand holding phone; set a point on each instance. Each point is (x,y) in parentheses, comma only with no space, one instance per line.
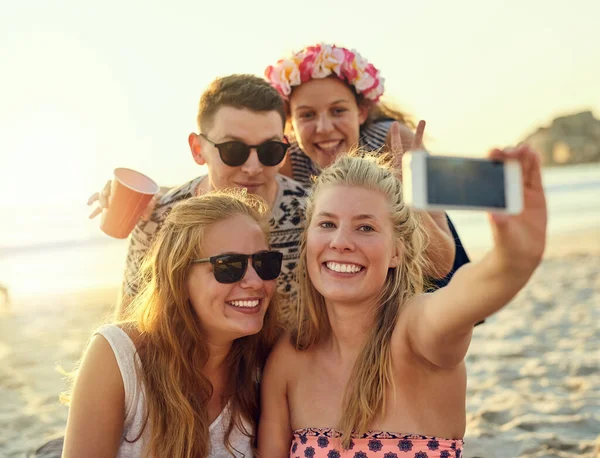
(436,183)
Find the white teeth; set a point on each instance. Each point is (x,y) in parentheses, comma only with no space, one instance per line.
(328,145)
(344,268)
(248,304)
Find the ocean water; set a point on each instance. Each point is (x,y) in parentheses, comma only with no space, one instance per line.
(57,249)
(573,199)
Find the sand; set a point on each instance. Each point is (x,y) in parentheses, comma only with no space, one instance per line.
(534,368)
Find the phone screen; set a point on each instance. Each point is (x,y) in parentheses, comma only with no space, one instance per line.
(465,182)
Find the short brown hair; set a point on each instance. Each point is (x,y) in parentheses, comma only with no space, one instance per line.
(238,91)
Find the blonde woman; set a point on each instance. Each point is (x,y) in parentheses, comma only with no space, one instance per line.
(179,376)
(375,367)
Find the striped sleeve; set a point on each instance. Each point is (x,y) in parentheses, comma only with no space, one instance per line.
(303,168)
(373,136)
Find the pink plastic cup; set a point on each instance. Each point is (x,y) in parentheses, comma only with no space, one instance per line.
(130,194)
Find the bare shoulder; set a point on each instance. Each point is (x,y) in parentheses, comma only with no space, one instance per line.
(97,407)
(99,349)
(284,358)
(284,350)
(410,309)
(99,370)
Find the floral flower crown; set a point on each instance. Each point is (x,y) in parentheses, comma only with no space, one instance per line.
(321,61)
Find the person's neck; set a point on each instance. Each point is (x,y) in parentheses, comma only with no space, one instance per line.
(203,186)
(206,185)
(217,357)
(272,194)
(350,328)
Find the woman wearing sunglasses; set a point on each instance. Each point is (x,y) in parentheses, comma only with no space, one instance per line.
(178,377)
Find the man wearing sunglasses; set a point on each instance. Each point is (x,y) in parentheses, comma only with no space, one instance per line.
(241,120)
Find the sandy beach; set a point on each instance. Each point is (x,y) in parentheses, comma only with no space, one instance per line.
(534,368)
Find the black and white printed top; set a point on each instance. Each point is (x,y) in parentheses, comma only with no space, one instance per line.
(286,227)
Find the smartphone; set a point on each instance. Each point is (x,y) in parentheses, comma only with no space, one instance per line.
(461,183)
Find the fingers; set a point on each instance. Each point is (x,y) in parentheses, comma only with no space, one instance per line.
(93,198)
(95,213)
(499,219)
(417,142)
(534,165)
(102,198)
(105,195)
(529,160)
(147,213)
(395,137)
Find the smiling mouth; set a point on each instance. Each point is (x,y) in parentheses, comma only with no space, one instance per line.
(248,185)
(343,268)
(250,304)
(330,147)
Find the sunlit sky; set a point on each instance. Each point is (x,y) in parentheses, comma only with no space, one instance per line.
(90,86)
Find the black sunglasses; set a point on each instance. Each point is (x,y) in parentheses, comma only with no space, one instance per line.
(231,267)
(235,153)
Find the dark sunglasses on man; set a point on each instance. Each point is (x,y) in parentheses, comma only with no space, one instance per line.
(231,267)
(235,153)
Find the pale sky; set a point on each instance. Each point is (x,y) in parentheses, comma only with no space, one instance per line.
(90,86)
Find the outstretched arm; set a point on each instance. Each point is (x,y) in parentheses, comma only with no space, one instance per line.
(439,324)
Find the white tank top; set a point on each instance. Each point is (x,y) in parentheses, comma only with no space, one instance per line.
(127,359)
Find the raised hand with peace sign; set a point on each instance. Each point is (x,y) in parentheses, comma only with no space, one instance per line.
(441,249)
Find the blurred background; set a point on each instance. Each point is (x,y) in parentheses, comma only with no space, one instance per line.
(87,87)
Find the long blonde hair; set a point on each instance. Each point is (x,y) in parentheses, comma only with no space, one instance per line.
(170,342)
(365,394)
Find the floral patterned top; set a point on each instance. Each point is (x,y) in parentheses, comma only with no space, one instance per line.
(324,442)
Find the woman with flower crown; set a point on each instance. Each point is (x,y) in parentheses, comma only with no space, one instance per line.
(333,104)
(333,101)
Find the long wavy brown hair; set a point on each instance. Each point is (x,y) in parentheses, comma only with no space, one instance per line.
(382,111)
(172,346)
(170,342)
(365,396)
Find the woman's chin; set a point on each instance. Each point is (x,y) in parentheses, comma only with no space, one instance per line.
(248,327)
(339,295)
(324,158)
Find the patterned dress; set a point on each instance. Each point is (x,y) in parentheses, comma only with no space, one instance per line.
(325,442)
